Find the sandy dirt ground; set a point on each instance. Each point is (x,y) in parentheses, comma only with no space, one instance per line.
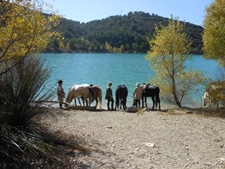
(171,138)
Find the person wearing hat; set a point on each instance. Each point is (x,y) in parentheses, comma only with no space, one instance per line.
(109,96)
(60,93)
(137,95)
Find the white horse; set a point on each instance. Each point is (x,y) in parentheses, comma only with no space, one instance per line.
(84,91)
(209,101)
(211,97)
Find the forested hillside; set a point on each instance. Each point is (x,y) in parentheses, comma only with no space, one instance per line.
(126,33)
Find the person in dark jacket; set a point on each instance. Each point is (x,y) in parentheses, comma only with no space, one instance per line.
(109,96)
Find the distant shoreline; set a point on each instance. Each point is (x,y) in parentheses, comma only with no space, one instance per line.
(98,51)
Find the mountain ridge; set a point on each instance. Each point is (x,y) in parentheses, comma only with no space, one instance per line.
(122,34)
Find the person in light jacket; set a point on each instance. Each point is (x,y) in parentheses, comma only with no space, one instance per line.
(137,95)
(60,93)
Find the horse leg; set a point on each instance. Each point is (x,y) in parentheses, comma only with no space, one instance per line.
(146,101)
(75,101)
(153,100)
(87,102)
(84,100)
(96,103)
(117,104)
(125,104)
(120,103)
(79,100)
(158,101)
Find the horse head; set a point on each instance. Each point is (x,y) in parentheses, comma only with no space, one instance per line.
(69,97)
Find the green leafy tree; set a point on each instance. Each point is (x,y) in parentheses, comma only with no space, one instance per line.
(169,51)
(214,34)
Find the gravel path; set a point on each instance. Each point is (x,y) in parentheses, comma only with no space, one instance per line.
(150,139)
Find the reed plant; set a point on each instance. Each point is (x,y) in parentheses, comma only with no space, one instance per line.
(20,88)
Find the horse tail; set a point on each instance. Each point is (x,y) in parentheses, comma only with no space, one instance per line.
(100,98)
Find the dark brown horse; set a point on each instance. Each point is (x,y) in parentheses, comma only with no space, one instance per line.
(121,96)
(153,92)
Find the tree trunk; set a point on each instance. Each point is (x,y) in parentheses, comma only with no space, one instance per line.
(175,93)
(176,100)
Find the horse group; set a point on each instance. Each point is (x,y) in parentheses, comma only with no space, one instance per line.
(90,93)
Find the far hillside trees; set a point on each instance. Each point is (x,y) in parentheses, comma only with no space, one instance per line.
(128,31)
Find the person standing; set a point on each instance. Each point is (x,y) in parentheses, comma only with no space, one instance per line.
(109,96)
(137,95)
(60,93)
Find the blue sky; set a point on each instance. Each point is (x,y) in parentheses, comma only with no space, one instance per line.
(192,11)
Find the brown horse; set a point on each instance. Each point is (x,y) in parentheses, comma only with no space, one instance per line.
(98,93)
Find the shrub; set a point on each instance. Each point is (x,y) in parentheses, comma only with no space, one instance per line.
(20,88)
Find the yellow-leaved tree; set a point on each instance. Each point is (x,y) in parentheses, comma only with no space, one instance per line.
(214,46)
(168,53)
(214,33)
(24,30)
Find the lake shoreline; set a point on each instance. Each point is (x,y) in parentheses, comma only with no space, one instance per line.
(98,51)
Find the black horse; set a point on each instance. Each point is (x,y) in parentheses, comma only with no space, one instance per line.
(153,92)
(121,96)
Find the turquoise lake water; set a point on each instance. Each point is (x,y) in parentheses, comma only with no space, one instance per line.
(101,68)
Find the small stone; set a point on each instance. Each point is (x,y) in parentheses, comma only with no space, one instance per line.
(109,127)
(152,145)
(221,159)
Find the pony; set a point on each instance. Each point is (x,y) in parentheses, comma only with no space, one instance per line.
(98,93)
(153,92)
(84,91)
(121,96)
